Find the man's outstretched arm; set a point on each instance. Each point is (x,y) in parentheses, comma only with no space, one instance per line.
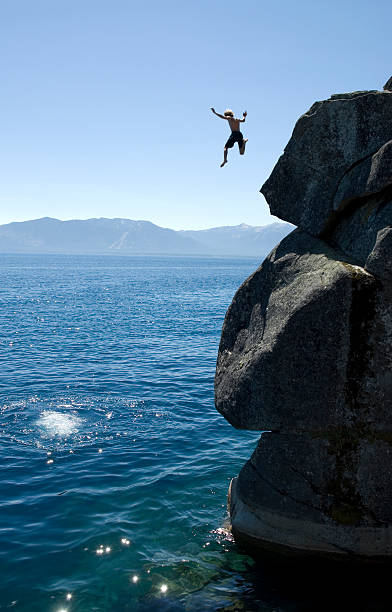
(217,114)
(243,117)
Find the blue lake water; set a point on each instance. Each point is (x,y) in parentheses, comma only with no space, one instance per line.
(114,462)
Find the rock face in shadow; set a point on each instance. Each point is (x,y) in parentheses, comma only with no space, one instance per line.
(306,347)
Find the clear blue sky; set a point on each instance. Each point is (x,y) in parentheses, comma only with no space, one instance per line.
(105,104)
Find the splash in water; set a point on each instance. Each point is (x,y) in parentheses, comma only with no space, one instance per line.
(58,424)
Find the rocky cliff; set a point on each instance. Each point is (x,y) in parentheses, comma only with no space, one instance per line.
(306,347)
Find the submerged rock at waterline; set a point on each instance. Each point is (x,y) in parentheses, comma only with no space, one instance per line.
(306,347)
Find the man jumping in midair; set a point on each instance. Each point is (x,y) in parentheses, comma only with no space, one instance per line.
(236,135)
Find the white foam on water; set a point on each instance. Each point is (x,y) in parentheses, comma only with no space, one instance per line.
(58,424)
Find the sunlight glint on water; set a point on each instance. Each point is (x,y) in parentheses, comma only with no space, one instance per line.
(116,464)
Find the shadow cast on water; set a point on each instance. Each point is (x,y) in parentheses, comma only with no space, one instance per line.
(286,584)
(277,583)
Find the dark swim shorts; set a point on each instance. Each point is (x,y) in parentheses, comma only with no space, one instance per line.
(235,137)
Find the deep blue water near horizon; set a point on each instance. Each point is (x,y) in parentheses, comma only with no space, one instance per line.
(114,462)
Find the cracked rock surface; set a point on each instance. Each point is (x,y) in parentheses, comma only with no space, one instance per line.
(306,347)
(328,142)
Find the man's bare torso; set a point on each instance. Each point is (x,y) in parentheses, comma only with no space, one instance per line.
(234,124)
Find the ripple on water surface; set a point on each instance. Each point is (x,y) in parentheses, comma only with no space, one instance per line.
(110,488)
(115,464)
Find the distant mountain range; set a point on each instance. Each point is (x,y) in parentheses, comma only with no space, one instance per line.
(127,237)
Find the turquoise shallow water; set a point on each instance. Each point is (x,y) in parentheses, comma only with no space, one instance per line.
(114,463)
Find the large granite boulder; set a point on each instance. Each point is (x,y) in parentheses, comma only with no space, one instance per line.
(328,142)
(306,347)
(288,339)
